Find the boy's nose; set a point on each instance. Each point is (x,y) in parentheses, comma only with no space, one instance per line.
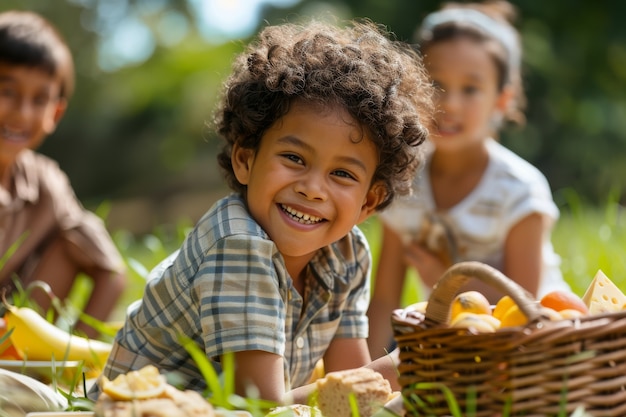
(312,186)
(25,108)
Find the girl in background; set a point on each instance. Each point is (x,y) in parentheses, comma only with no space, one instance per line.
(473,199)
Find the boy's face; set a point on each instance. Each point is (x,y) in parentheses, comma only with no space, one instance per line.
(30,109)
(309,182)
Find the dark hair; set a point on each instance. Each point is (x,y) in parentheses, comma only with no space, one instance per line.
(509,70)
(379,81)
(29,40)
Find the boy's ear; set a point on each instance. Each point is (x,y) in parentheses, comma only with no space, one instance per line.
(374,197)
(59,111)
(242,159)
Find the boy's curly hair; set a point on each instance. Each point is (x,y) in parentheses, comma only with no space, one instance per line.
(27,39)
(380,82)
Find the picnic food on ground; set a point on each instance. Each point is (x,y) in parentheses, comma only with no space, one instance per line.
(21,394)
(35,338)
(171,403)
(145,393)
(7,350)
(370,390)
(144,383)
(295,410)
(603,296)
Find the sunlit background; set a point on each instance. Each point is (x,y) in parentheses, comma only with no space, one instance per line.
(137,138)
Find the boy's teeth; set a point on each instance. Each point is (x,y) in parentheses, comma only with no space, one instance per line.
(301,217)
(12,134)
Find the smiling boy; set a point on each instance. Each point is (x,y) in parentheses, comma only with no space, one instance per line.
(45,233)
(323,127)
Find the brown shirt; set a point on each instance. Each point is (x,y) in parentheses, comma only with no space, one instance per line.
(41,206)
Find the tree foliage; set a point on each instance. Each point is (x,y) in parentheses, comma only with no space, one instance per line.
(142,129)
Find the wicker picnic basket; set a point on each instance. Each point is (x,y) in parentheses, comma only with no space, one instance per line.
(544,368)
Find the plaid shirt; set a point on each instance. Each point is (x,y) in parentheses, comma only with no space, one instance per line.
(227,288)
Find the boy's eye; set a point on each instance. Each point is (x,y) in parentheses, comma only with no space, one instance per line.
(293,158)
(470,89)
(7,91)
(343,174)
(41,99)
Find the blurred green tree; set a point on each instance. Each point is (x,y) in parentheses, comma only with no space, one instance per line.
(137,125)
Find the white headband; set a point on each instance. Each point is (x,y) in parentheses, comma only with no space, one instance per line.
(502,33)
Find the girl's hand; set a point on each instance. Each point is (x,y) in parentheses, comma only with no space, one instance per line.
(428,265)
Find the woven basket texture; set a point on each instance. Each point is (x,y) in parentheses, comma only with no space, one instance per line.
(544,368)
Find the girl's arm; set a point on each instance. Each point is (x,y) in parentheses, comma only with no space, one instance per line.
(387,292)
(523,251)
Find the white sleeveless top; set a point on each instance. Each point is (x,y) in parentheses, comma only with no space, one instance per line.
(510,189)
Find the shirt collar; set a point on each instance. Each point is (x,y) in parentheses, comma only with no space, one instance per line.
(25,178)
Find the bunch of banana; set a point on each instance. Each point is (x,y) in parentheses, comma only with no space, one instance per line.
(37,339)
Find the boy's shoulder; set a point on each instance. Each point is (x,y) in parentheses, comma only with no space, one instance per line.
(229,216)
(37,170)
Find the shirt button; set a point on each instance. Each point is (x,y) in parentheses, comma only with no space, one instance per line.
(300,343)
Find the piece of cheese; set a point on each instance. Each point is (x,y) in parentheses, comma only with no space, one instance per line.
(603,296)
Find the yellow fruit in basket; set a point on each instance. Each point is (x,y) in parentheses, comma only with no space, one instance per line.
(480,322)
(37,339)
(513,317)
(135,385)
(551,314)
(502,306)
(419,306)
(570,313)
(469,302)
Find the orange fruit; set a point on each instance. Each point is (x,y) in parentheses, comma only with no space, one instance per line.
(564,300)
(469,302)
(7,350)
(502,306)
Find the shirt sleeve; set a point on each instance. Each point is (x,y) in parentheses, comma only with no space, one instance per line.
(93,245)
(530,198)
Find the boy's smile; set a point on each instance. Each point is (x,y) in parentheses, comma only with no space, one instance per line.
(29,109)
(309,181)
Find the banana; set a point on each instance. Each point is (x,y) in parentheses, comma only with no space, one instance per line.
(37,339)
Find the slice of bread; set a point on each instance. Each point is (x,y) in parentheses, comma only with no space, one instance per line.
(371,391)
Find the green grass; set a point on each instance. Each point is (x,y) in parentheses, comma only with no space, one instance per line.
(587,239)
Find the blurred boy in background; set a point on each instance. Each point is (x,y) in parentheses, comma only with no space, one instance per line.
(45,233)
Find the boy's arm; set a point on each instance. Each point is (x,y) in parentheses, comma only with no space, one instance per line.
(262,370)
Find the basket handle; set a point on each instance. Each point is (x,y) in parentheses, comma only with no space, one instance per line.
(446,289)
